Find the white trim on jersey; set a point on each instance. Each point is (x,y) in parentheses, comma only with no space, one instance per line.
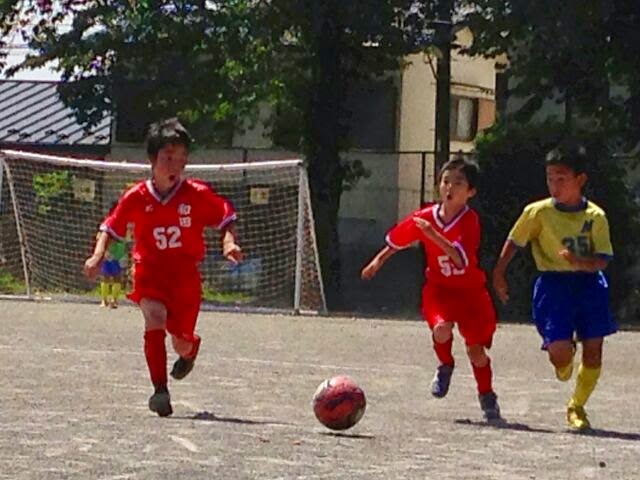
(168,196)
(447,226)
(393,245)
(111,232)
(458,246)
(226,221)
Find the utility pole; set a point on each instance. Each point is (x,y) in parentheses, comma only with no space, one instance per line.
(443,34)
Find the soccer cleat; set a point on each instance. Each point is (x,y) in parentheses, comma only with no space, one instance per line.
(441,380)
(577,418)
(160,401)
(182,366)
(489,406)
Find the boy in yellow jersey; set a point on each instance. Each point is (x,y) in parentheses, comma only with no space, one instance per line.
(570,243)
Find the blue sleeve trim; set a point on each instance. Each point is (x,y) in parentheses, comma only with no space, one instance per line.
(513,242)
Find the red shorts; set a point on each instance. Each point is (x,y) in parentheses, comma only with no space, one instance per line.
(472,309)
(179,290)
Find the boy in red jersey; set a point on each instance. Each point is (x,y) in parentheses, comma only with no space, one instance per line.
(168,214)
(455,289)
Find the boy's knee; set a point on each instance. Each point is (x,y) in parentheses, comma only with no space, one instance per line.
(155,314)
(561,352)
(442,332)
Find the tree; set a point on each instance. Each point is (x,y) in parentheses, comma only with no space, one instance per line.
(214,62)
(574,56)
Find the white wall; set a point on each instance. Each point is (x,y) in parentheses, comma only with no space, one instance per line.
(470,77)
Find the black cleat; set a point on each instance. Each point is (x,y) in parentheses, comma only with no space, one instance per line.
(490,408)
(441,380)
(160,402)
(182,367)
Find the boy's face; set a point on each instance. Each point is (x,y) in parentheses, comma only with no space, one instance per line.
(454,188)
(169,165)
(564,185)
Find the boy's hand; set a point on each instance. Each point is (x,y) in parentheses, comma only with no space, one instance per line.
(232,252)
(91,266)
(370,269)
(423,225)
(569,256)
(500,286)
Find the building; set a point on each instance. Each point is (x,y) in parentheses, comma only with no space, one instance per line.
(34,118)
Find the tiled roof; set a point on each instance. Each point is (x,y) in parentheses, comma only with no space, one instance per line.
(32,113)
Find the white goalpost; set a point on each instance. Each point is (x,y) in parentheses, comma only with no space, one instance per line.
(51,207)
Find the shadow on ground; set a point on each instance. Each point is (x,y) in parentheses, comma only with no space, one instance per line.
(212,417)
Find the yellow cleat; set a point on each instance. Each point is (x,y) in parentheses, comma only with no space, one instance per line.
(577,418)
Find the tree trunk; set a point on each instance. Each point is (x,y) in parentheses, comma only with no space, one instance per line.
(325,170)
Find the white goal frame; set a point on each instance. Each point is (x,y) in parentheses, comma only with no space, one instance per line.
(304,218)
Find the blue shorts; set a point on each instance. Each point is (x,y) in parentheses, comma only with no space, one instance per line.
(111,268)
(572,302)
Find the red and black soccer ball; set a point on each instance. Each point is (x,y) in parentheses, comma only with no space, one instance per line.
(339,403)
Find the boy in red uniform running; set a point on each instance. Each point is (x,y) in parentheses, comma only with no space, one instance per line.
(168,214)
(455,289)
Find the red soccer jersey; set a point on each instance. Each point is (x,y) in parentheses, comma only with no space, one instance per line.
(463,232)
(168,231)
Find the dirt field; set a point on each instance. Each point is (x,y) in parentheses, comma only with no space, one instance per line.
(74,391)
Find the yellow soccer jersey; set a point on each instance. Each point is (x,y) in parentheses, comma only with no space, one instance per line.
(551,227)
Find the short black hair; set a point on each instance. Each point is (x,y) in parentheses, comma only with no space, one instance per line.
(165,132)
(469,167)
(571,154)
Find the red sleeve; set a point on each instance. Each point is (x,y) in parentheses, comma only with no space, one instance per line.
(115,224)
(217,211)
(404,233)
(469,241)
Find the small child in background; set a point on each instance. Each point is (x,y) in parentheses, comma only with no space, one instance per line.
(115,260)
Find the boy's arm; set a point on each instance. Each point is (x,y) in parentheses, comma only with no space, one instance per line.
(371,268)
(92,263)
(449,248)
(500,284)
(230,248)
(590,264)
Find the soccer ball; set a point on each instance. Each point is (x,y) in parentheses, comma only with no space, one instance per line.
(339,403)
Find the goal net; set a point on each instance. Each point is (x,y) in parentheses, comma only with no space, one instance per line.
(51,207)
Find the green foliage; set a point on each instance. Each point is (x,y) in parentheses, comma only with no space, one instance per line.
(52,186)
(572,57)
(226,298)
(10,285)
(512,162)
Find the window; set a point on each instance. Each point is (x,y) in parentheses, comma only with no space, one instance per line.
(464,118)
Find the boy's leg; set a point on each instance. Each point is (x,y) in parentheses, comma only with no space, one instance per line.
(183,314)
(442,345)
(104,292)
(436,306)
(553,311)
(155,318)
(477,326)
(481,365)
(594,322)
(561,353)
(588,375)
(116,287)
